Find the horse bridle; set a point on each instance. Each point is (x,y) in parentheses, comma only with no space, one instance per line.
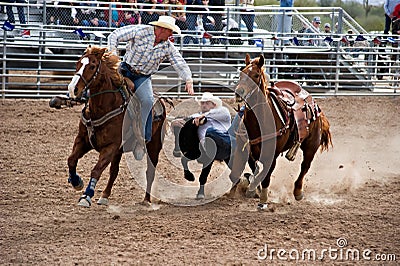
(88,83)
(253,90)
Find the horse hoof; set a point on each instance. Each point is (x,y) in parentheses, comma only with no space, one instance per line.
(139,153)
(85,201)
(103,201)
(200,196)
(250,194)
(79,186)
(176,153)
(145,203)
(300,196)
(262,206)
(188,175)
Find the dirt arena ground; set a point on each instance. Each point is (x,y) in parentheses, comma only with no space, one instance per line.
(350,212)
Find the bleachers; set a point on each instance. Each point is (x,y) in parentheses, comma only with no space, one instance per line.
(48,57)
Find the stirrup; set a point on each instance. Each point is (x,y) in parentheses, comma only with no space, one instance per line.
(291,154)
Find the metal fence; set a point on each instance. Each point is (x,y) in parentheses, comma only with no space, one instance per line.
(341,62)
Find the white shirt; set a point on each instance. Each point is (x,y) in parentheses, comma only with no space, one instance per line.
(218,118)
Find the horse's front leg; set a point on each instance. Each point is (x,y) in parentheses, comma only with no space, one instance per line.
(114,169)
(266,173)
(238,163)
(203,180)
(105,157)
(80,148)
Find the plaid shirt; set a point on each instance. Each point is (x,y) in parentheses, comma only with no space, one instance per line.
(142,55)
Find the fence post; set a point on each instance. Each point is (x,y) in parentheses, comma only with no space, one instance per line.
(4,79)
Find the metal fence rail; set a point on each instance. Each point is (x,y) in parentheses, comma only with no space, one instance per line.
(341,63)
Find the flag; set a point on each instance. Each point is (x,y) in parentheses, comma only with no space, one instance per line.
(296,41)
(345,40)
(80,33)
(391,40)
(7,26)
(376,40)
(259,43)
(26,33)
(207,35)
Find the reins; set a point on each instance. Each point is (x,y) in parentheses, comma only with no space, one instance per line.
(91,124)
(269,136)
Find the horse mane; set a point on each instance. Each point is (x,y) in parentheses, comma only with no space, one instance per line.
(111,61)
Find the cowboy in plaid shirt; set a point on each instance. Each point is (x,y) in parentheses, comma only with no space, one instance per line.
(147,47)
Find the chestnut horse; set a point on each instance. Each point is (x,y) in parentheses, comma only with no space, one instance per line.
(270,128)
(107,95)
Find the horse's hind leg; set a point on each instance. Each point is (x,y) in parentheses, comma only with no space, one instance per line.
(203,180)
(114,169)
(308,156)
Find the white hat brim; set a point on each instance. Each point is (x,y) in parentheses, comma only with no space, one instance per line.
(166,25)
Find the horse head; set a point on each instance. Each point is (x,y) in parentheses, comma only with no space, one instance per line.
(87,70)
(252,77)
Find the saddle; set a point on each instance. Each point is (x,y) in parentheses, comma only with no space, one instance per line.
(297,101)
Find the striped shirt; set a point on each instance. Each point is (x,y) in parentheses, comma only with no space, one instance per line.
(142,55)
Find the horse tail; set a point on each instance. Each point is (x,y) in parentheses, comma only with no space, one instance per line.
(326,137)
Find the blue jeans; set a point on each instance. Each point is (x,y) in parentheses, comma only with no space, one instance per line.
(248,19)
(20,9)
(144,92)
(222,141)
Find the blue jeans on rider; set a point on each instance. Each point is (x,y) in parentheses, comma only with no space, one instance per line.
(222,141)
(144,92)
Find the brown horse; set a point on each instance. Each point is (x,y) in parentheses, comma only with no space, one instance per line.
(107,95)
(275,120)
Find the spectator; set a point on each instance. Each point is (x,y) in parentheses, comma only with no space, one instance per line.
(117,15)
(312,39)
(389,7)
(152,14)
(285,21)
(232,27)
(191,20)
(327,28)
(132,17)
(177,12)
(91,16)
(20,9)
(248,16)
(71,16)
(208,22)
(53,13)
(216,13)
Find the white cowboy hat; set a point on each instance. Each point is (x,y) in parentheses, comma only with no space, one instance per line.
(209,97)
(166,22)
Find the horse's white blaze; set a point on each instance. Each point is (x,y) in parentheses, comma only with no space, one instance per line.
(75,79)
